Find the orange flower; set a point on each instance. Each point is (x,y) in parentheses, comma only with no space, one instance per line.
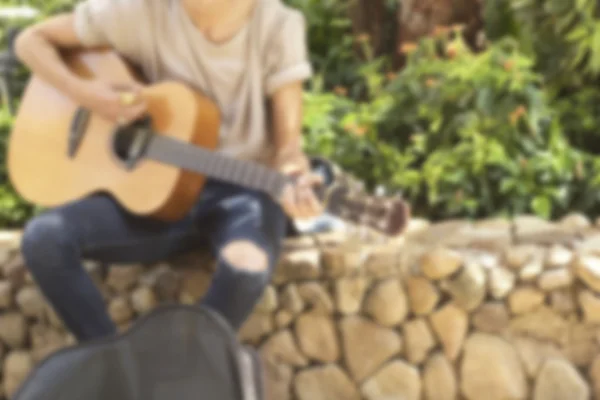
(363,38)
(340,91)
(360,131)
(440,30)
(451,50)
(517,113)
(354,129)
(508,65)
(407,47)
(430,82)
(523,162)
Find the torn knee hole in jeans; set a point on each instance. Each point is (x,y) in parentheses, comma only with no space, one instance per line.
(245,255)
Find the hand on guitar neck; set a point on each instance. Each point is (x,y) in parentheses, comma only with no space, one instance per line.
(298,199)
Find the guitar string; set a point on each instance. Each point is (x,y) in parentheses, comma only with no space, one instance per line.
(255,176)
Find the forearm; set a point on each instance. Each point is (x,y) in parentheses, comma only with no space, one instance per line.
(287,126)
(290,151)
(41,54)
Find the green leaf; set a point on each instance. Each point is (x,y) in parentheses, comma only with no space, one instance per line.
(542,206)
(582,4)
(595,50)
(578,33)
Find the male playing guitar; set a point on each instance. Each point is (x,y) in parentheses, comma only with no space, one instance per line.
(207,44)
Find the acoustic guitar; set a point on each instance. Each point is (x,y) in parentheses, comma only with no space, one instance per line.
(60,152)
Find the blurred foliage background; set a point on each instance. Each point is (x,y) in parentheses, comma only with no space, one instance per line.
(470,108)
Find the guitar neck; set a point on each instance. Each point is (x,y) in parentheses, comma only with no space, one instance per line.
(343,198)
(216,166)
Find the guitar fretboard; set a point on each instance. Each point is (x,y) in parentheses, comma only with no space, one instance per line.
(214,165)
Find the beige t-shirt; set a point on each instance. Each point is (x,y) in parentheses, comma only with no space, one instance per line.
(268,52)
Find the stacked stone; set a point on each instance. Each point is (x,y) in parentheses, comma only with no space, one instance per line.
(496,310)
(30,330)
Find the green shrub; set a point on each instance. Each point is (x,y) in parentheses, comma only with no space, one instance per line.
(462,134)
(563,36)
(563,39)
(336,53)
(579,114)
(331,44)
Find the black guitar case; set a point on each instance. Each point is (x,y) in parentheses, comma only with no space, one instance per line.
(177,352)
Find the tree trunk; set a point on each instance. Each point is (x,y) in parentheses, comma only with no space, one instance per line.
(418,18)
(413,20)
(369,17)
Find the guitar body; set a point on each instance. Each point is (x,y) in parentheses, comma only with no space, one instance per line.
(42,171)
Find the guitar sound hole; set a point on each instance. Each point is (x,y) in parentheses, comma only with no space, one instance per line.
(122,142)
(130,142)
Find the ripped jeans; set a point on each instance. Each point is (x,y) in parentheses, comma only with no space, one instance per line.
(97,228)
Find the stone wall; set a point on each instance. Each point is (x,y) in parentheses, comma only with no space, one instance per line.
(492,310)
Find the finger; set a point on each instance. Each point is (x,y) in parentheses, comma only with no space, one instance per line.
(130,86)
(128,98)
(128,93)
(310,180)
(297,204)
(134,112)
(288,202)
(135,87)
(304,202)
(314,205)
(315,179)
(290,169)
(128,117)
